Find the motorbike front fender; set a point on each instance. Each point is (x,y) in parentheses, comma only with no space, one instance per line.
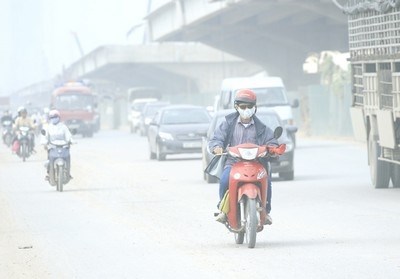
(250,190)
(59,162)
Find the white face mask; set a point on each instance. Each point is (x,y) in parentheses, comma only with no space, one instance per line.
(246,113)
(55,120)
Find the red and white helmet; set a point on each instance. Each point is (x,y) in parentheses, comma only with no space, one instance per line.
(245,96)
(54,113)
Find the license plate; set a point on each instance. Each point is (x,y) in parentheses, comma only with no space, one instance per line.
(192,144)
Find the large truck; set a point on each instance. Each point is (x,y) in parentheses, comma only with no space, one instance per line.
(374,45)
(77,105)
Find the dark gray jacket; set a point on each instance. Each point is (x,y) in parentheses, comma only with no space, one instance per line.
(223,133)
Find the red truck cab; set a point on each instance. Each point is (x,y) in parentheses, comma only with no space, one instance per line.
(77,104)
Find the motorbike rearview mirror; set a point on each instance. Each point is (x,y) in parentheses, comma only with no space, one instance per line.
(278,132)
(43,132)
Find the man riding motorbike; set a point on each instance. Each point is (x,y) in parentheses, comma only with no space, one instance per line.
(7,116)
(7,122)
(56,131)
(24,121)
(240,127)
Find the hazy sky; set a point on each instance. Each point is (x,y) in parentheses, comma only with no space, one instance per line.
(37,40)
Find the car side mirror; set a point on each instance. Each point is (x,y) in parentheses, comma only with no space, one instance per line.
(291,129)
(295,103)
(278,132)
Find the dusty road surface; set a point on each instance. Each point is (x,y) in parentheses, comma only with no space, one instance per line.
(125,216)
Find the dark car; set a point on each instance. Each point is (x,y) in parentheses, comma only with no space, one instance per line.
(177,129)
(148,112)
(283,165)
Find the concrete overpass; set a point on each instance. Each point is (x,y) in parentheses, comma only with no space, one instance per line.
(189,72)
(176,68)
(271,35)
(275,34)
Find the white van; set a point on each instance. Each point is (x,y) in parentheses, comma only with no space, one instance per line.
(270,92)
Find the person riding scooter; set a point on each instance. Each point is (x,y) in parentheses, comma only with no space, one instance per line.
(24,121)
(240,127)
(7,124)
(56,131)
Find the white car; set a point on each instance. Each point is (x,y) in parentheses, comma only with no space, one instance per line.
(136,111)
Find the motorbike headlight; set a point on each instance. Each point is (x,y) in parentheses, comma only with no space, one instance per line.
(248,153)
(165,136)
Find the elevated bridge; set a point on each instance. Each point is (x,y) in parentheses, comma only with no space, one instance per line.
(275,34)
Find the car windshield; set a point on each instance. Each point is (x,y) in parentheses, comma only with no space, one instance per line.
(138,106)
(73,101)
(270,96)
(152,110)
(270,120)
(185,116)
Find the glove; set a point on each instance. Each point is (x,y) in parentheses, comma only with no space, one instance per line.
(277,150)
(218,150)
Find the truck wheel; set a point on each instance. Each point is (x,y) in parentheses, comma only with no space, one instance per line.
(89,133)
(380,170)
(287,175)
(395,175)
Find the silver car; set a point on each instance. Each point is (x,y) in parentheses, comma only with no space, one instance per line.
(177,129)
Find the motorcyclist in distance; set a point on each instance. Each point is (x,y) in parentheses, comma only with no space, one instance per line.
(56,131)
(24,121)
(6,116)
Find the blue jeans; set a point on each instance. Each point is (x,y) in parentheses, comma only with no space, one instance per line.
(224,183)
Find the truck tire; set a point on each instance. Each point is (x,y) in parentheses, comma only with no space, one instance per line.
(395,175)
(379,170)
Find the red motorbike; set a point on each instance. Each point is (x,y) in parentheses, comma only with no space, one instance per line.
(247,194)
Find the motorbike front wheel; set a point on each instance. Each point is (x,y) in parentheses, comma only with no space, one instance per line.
(24,151)
(60,178)
(251,222)
(8,139)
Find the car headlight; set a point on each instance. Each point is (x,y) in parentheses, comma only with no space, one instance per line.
(289,146)
(165,136)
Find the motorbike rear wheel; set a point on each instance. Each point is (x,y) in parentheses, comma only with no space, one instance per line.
(251,222)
